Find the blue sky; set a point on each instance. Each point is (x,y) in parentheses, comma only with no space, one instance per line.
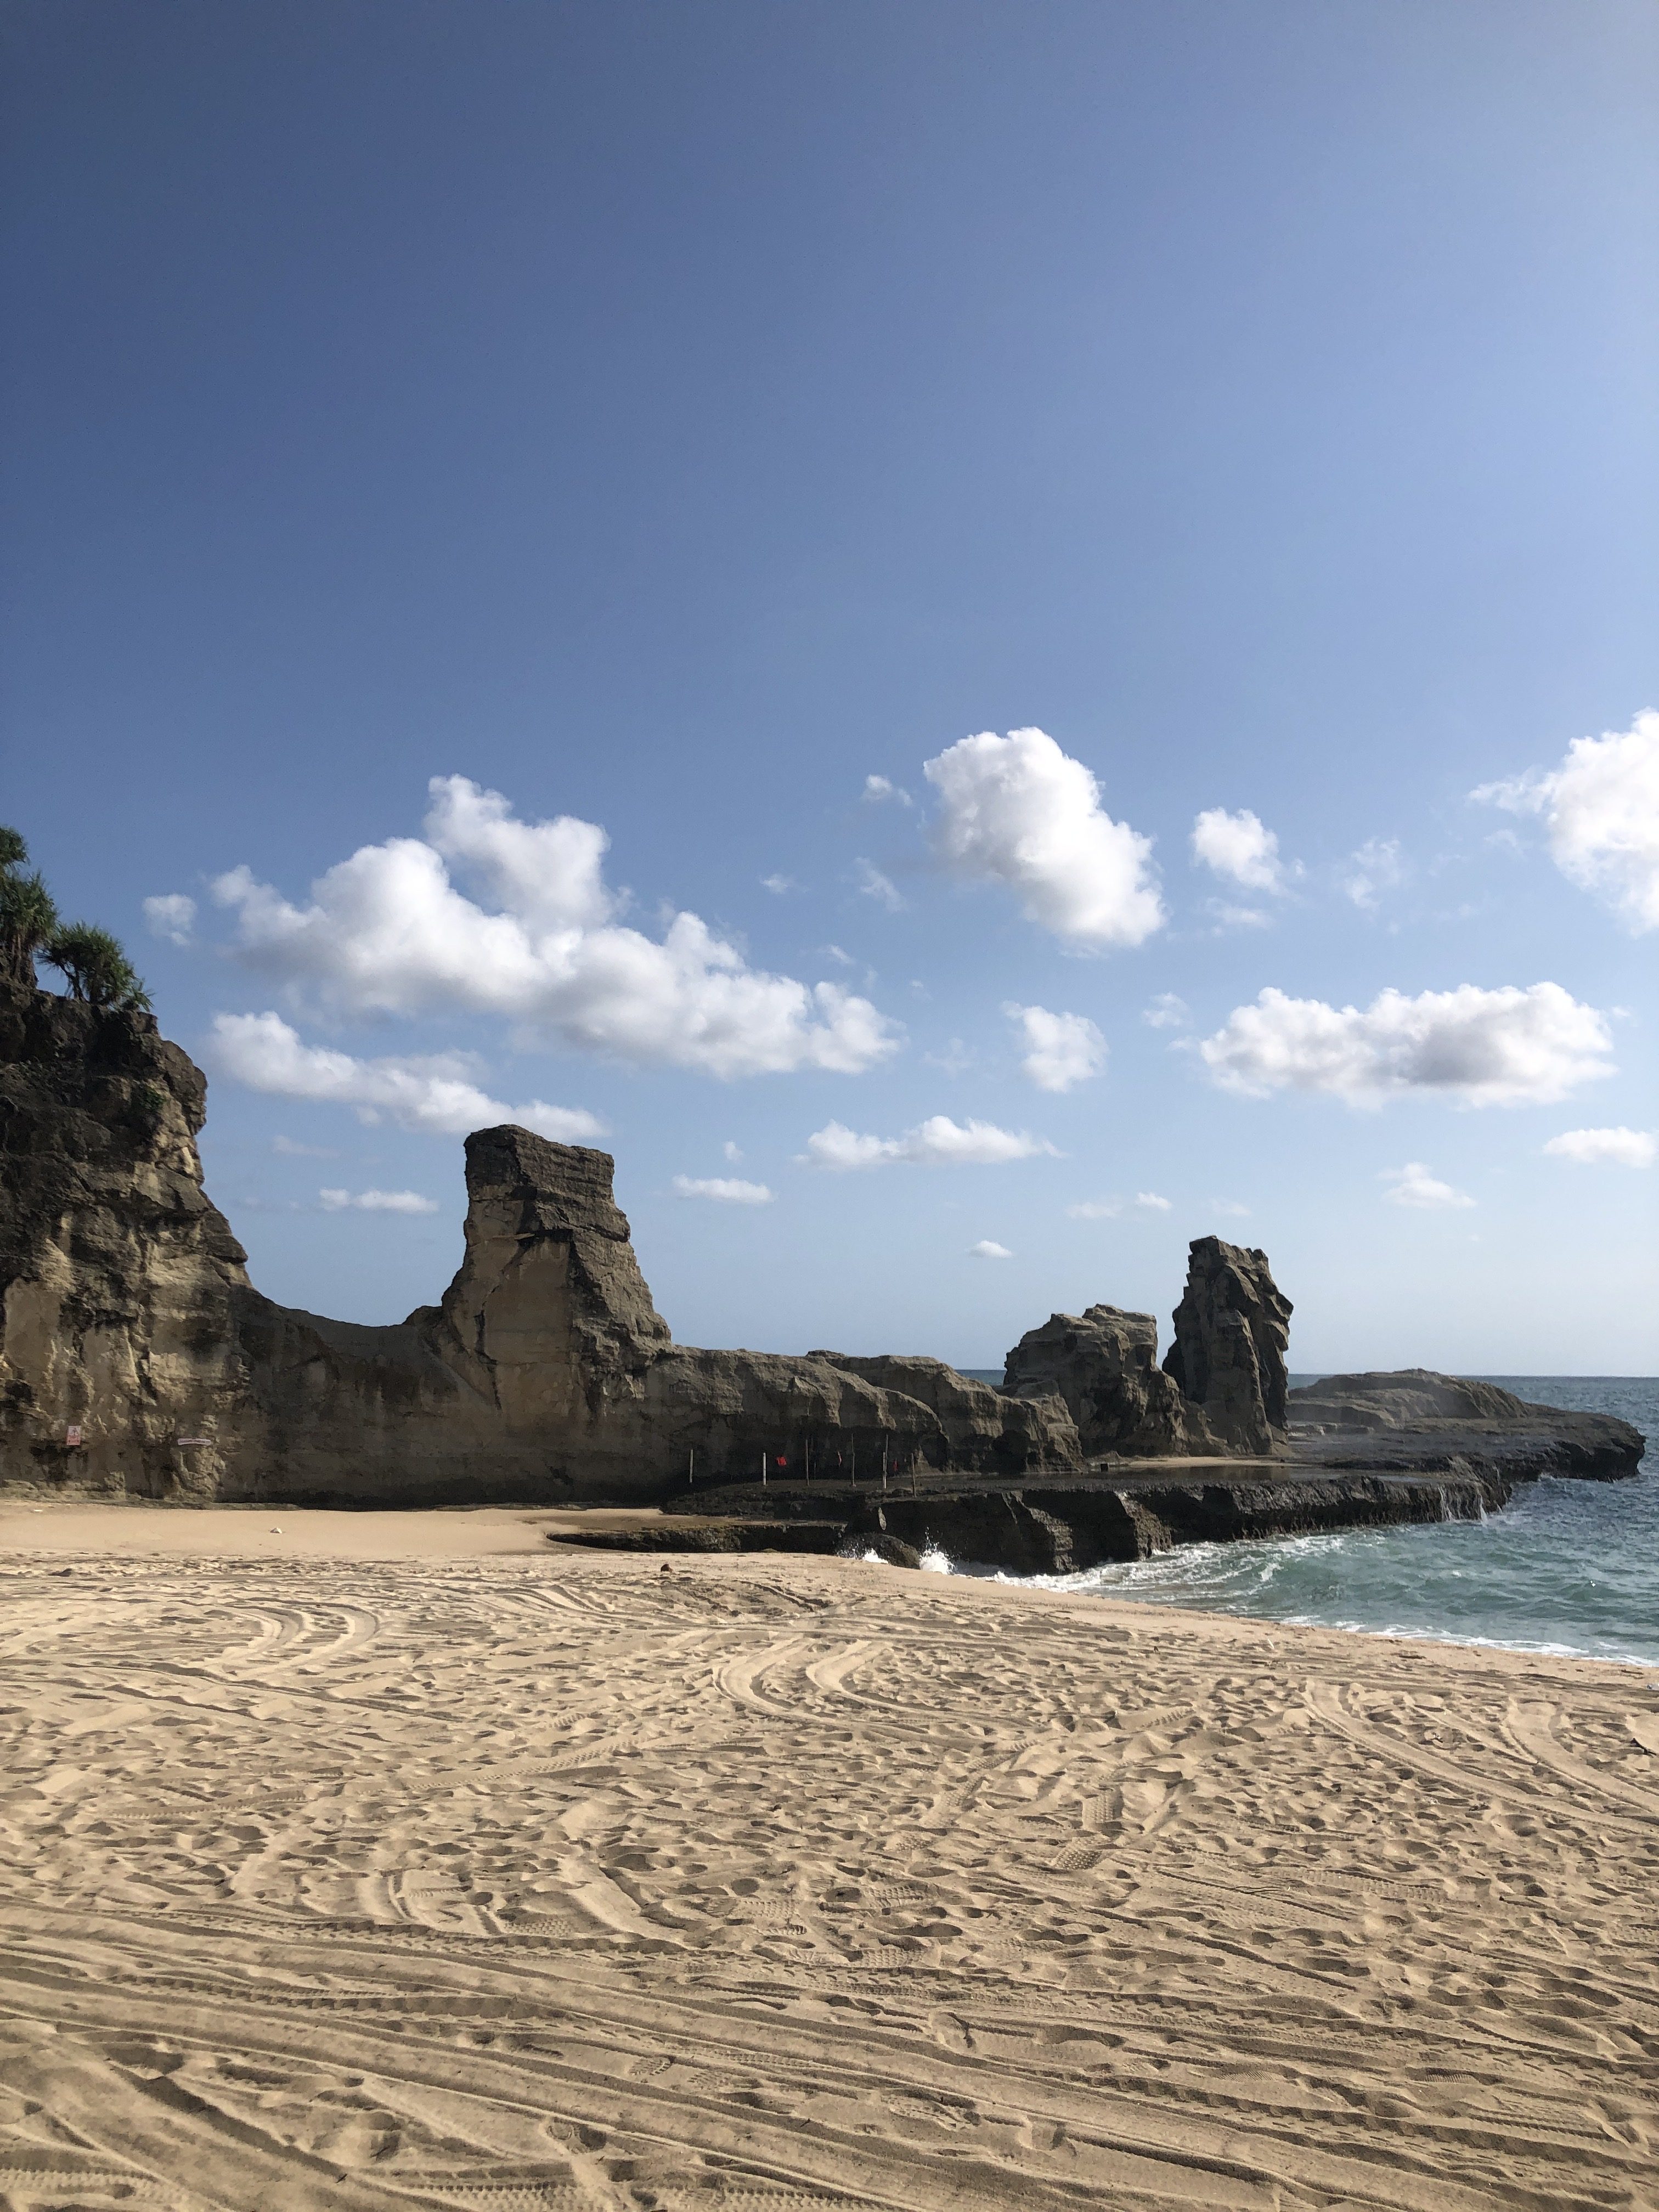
(667,420)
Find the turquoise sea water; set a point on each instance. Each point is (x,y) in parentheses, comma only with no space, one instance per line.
(1571,1567)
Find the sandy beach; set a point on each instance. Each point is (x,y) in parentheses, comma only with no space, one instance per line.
(380,1861)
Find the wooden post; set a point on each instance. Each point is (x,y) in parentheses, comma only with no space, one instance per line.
(762,1470)
(691,1467)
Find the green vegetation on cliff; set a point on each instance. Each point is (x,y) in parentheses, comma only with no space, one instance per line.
(91,960)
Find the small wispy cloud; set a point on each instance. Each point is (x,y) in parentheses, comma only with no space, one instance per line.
(376,1201)
(875,885)
(1230,1209)
(880,790)
(1413,1185)
(725,1190)
(290,1149)
(1375,867)
(1151,1202)
(937,1142)
(989,1249)
(1617,1148)
(955,1060)
(1167,1011)
(1096,1209)
(777,884)
(1061,1050)
(171,917)
(732,1151)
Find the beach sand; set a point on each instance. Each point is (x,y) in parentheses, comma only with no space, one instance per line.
(381,1860)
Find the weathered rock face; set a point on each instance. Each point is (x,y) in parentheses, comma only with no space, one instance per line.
(990,1431)
(120,1280)
(1103,1365)
(1231,1329)
(137,1356)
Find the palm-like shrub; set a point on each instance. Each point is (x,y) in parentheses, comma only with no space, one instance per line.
(95,967)
(91,960)
(29,920)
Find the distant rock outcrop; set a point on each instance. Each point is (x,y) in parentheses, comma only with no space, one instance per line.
(1411,1418)
(1222,1386)
(1103,1364)
(1231,1330)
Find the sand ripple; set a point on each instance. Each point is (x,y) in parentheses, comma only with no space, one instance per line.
(566,1881)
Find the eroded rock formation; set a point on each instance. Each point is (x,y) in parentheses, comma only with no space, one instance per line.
(1232,1328)
(1222,1386)
(1103,1365)
(137,1356)
(119,1279)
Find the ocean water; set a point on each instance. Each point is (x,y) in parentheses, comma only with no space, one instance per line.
(1569,1567)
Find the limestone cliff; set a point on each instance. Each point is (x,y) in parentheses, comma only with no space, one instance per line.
(119,1279)
(136,1357)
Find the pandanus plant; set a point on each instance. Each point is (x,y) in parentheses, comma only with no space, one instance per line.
(28,916)
(96,969)
(91,960)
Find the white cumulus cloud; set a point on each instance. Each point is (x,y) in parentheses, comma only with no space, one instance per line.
(1151,1202)
(1502,1047)
(937,1142)
(1061,1050)
(987,1248)
(1618,1148)
(1239,847)
(388,931)
(1018,810)
(1600,807)
(171,917)
(438,1095)
(377,1201)
(1412,1185)
(730,1190)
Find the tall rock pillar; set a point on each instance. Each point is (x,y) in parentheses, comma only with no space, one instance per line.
(1231,1329)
